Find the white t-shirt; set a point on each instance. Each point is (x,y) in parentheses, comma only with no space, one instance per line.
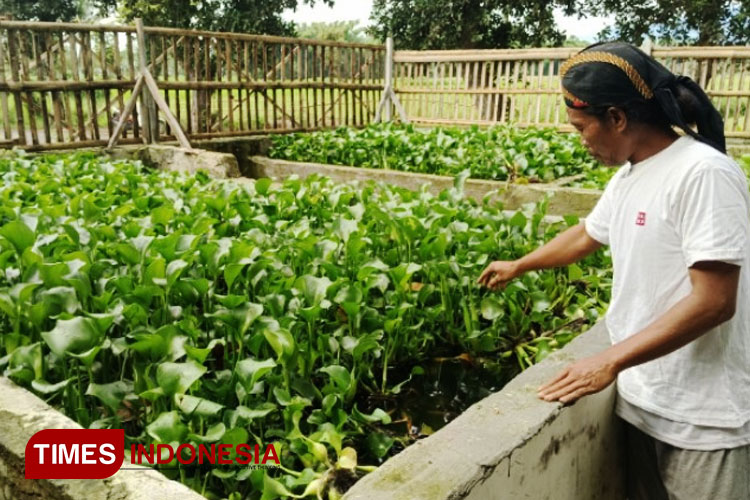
(687,203)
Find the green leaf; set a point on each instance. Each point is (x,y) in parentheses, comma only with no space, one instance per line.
(191,405)
(46,388)
(251,371)
(339,375)
(167,428)
(575,272)
(262,185)
(176,378)
(28,356)
(76,335)
(492,308)
(378,444)
(281,341)
(213,434)
(110,394)
(19,234)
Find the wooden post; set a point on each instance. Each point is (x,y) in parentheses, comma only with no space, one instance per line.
(388,78)
(147,110)
(647,46)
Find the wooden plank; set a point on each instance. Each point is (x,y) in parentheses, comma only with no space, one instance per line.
(228,58)
(105,76)
(126,113)
(4,109)
(88,70)
(282,77)
(331,55)
(207,96)
(15,75)
(154,90)
(176,73)
(137,129)
(118,75)
(255,93)
(37,46)
(31,105)
(264,50)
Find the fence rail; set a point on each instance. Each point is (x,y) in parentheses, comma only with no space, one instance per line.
(65,84)
(522,85)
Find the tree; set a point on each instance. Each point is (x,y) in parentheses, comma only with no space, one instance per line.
(339,31)
(242,16)
(681,22)
(41,10)
(468,24)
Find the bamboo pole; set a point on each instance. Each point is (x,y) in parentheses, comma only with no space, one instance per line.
(145,101)
(4,110)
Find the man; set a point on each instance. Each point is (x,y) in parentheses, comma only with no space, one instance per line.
(677,219)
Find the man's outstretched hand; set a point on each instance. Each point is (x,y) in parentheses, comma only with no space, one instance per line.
(586,376)
(498,273)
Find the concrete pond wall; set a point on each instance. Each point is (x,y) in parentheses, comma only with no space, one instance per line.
(513,446)
(508,446)
(562,201)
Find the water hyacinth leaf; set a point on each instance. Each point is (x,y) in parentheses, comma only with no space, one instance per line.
(377,416)
(167,428)
(239,318)
(313,288)
(243,415)
(347,459)
(19,234)
(59,299)
(339,375)
(213,434)
(575,272)
(28,356)
(273,489)
(200,354)
(176,378)
(492,308)
(251,371)
(112,394)
(379,444)
(76,335)
(192,405)
(44,387)
(280,340)
(262,185)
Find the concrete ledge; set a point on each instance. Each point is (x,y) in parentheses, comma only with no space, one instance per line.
(563,201)
(511,446)
(163,157)
(22,414)
(241,147)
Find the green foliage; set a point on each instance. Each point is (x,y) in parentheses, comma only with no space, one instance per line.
(337,31)
(261,313)
(240,16)
(41,10)
(678,22)
(467,24)
(499,153)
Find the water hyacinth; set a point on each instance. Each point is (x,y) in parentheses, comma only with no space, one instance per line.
(184,309)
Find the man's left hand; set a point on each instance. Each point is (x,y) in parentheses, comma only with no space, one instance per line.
(583,377)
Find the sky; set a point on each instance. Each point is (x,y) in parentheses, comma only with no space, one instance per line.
(349,10)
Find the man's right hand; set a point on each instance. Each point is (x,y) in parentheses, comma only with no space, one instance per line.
(498,273)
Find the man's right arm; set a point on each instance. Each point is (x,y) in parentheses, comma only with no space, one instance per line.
(567,247)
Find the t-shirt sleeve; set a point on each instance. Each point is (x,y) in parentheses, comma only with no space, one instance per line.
(597,222)
(714,218)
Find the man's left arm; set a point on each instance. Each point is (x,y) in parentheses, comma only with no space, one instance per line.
(711,302)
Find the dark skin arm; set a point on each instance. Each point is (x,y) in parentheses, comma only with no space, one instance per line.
(567,247)
(711,302)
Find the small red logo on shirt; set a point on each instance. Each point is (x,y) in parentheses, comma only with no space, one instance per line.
(641,219)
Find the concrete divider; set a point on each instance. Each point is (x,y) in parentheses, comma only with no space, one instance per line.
(22,414)
(512,446)
(563,201)
(164,157)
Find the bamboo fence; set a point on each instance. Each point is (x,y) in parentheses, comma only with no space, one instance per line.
(522,86)
(66,84)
